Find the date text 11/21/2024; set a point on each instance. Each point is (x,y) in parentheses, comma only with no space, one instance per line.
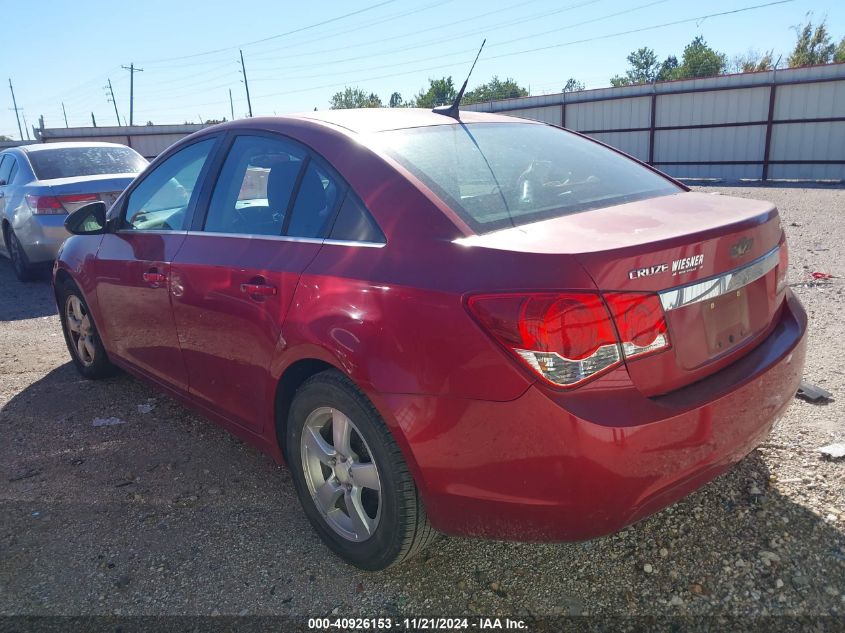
(417,624)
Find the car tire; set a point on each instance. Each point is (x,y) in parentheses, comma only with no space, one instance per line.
(81,336)
(369,528)
(24,270)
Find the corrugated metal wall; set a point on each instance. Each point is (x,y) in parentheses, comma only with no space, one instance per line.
(147,140)
(785,124)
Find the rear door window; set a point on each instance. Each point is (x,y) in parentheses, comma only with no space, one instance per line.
(316,202)
(253,192)
(355,224)
(6,168)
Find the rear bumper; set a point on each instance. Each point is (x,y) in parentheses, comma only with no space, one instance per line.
(552,467)
(42,236)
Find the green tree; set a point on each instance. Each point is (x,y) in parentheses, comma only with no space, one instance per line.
(643,70)
(753,61)
(396,100)
(839,55)
(668,69)
(699,60)
(354,98)
(573,85)
(439,92)
(495,89)
(812,46)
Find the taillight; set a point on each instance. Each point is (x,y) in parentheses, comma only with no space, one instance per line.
(45,205)
(56,205)
(565,338)
(569,338)
(640,322)
(783,267)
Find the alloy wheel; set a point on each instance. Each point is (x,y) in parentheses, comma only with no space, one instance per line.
(80,329)
(341,476)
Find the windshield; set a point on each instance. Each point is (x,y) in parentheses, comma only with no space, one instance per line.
(68,162)
(499,175)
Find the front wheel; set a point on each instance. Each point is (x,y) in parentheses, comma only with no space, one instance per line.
(350,476)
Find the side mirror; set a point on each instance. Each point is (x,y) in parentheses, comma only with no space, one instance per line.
(87,220)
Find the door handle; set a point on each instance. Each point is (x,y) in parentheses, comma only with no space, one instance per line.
(260,290)
(154,277)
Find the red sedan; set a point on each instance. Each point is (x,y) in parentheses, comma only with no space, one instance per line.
(490,327)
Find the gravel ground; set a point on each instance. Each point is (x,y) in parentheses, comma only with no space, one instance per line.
(168,514)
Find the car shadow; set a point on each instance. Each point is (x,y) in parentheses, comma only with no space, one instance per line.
(25,300)
(155,497)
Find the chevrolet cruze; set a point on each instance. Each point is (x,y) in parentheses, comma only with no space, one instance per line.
(488,327)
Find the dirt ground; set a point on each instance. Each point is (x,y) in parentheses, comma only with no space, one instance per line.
(168,514)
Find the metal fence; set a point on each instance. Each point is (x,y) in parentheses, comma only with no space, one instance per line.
(774,125)
(147,140)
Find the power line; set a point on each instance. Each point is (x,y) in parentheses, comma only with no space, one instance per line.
(531,50)
(496,45)
(272,37)
(448,38)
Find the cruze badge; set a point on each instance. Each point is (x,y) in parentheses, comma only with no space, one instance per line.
(678,267)
(647,272)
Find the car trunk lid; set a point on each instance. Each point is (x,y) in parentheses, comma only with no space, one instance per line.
(80,190)
(712,259)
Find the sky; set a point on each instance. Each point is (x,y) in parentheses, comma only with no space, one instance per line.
(297,54)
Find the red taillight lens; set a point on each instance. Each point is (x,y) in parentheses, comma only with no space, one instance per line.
(56,205)
(79,197)
(640,321)
(45,205)
(565,338)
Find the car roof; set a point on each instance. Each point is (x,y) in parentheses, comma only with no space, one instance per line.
(38,147)
(367,120)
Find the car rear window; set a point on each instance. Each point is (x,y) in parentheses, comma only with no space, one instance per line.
(499,175)
(68,162)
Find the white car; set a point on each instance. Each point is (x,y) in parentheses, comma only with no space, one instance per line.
(40,184)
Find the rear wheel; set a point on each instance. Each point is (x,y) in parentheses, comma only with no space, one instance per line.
(24,271)
(83,342)
(350,476)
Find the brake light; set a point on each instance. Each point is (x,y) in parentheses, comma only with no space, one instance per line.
(566,338)
(55,205)
(45,205)
(569,338)
(783,267)
(640,322)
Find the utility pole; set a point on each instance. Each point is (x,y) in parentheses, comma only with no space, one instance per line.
(231,104)
(114,101)
(132,70)
(93,120)
(26,127)
(65,113)
(246,85)
(16,109)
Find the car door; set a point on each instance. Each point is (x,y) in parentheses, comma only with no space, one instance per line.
(132,267)
(235,275)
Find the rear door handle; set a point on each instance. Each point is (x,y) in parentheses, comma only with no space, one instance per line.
(260,290)
(153,277)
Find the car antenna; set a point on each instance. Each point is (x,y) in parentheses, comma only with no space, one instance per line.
(452,110)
